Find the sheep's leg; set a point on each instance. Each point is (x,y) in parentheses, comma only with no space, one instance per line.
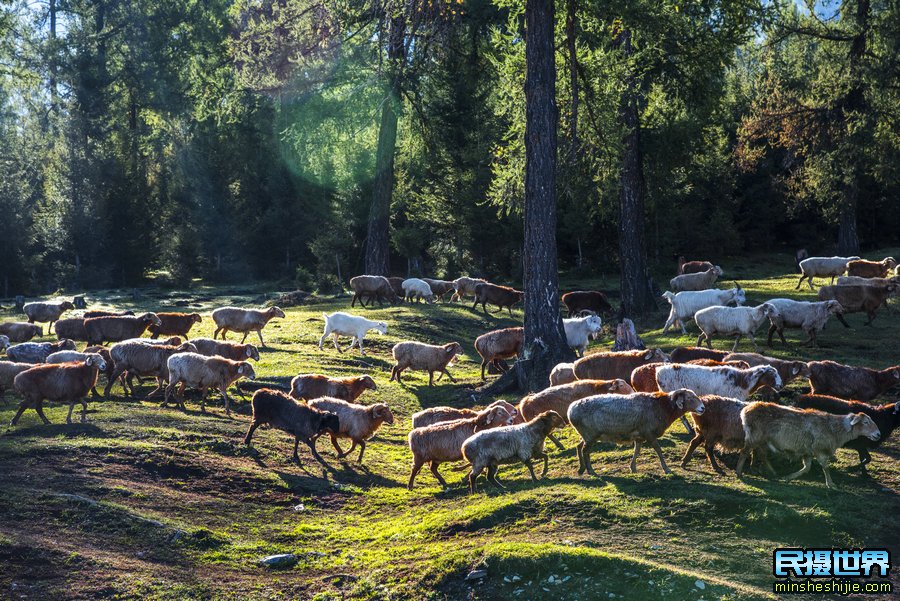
(700,338)
(296,457)
(741,460)
(117,371)
(584,459)
(871,315)
(509,308)
(807,463)
(430,378)
(168,393)
(555,441)
(244,339)
(683,329)
(69,416)
(334,338)
(711,456)
(322,339)
(546,464)
(83,410)
(864,458)
(800,282)
(687,425)
(362,449)
(21,410)
(659,453)
(473,476)
(312,449)
(842,320)
(446,371)
(223,390)
(262,342)
(695,442)
(437,474)
(337,447)
(216,333)
(823,461)
(159,387)
(753,340)
(669,321)
(417,465)
(250,431)
(483,366)
(737,339)
(530,467)
(362,351)
(492,476)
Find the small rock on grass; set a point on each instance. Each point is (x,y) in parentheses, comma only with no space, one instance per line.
(282,560)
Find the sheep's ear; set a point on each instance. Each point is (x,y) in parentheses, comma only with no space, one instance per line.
(896,408)
(679,400)
(648,355)
(856,418)
(897,375)
(796,370)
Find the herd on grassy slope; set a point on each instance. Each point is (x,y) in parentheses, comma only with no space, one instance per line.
(621,397)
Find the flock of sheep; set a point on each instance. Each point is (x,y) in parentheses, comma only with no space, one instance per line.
(621,397)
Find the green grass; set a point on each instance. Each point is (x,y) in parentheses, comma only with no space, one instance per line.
(172,505)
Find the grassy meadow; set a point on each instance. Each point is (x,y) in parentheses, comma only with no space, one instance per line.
(151,503)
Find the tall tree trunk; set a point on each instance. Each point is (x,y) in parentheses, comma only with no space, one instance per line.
(637,298)
(545,341)
(855,108)
(378,239)
(571,24)
(54,89)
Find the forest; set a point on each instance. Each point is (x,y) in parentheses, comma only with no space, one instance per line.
(307,141)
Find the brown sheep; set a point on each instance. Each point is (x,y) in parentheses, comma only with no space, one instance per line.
(117,329)
(615,364)
(440,288)
(858,299)
(436,415)
(558,398)
(141,359)
(60,382)
(562,373)
(871,269)
(719,424)
(442,442)
(497,345)
(20,331)
(848,382)
(72,328)
(688,267)
(397,286)
(424,357)
(89,314)
(373,287)
(683,354)
(357,422)
(281,412)
(312,386)
(502,296)
(787,370)
(174,324)
(586,300)
(229,350)
(244,321)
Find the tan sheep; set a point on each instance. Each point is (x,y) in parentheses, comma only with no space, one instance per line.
(200,371)
(424,357)
(498,345)
(244,321)
(436,415)
(357,422)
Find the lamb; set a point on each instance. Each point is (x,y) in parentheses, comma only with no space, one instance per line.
(174,324)
(723,381)
(719,424)
(281,412)
(199,371)
(8,372)
(373,287)
(804,433)
(312,386)
(70,356)
(439,288)
(71,328)
(684,354)
(822,267)
(139,359)
(696,281)
(357,422)
(811,317)
(871,269)
(416,289)
(579,330)
(686,304)
(117,329)
(848,382)
(229,350)
(60,382)
(436,415)
(90,314)
(886,417)
(787,370)
(349,325)
(508,444)
(640,418)
(562,373)
(586,300)
(732,321)
(424,357)
(244,321)
(687,267)
(498,345)
(502,296)
(49,311)
(643,378)
(442,442)
(465,286)
(558,398)
(615,364)
(37,352)
(858,299)
(20,331)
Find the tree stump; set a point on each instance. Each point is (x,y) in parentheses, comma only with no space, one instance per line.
(79,302)
(20,304)
(627,338)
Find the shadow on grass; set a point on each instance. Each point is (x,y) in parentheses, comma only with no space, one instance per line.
(54,430)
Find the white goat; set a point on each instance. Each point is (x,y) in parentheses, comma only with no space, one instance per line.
(686,304)
(702,280)
(732,321)
(822,267)
(344,324)
(579,330)
(414,288)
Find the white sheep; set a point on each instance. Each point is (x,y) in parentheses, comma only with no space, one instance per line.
(696,281)
(344,324)
(414,288)
(732,321)
(809,316)
(822,267)
(721,380)
(424,357)
(465,286)
(686,304)
(579,330)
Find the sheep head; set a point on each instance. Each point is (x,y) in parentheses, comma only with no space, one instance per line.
(195,318)
(94,360)
(252,352)
(66,306)
(687,401)
(4,342)
(380,326)
(330,422)
(383,412)
(246,370)
(718,271)
(65,345)
(275,312)
(492,417)
(862,425)
(552,419)
(173,341)
(834,307)
(368,382)
(452,349)
(187,347)
(151,318)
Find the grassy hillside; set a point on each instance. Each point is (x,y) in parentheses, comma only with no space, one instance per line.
(151,503)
